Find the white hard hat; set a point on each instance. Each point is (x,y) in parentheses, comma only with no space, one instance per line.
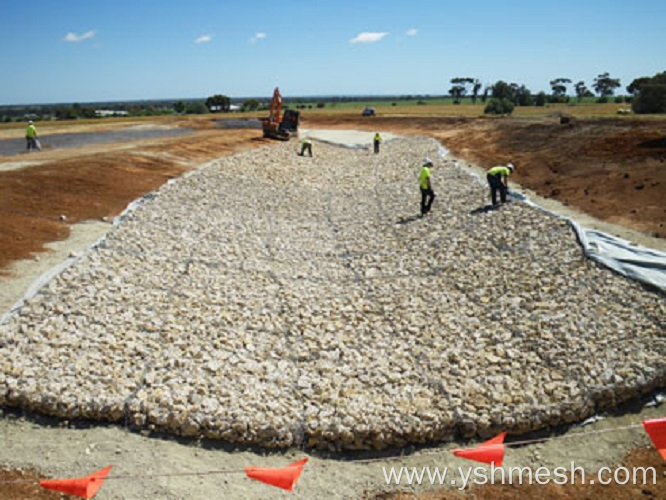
(510,166)
(30,122)
(427,161)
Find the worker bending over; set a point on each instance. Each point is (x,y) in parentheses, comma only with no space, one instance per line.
(498,181)
(427,194)
(306,145)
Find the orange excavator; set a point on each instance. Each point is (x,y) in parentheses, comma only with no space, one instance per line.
(278,126)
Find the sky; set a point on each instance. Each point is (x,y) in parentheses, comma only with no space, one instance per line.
(67,51)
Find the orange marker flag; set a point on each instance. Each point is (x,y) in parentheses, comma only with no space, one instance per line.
(84,487)
(284,477)
(489,452)
(656,429)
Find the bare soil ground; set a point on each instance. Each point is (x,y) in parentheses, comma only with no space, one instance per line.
(94,182)
(552,491)
(611,168)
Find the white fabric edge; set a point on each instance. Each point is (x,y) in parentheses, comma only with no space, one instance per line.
(636,262)
(56,270)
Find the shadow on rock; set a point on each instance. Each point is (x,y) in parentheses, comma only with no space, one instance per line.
(407,220)
(485,210)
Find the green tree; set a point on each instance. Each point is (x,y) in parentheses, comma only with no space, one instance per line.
(649,94)
(650,99)
(522,96)
(635,86)
(559,88)
(540,99)
(517,94)
(581,90)
(65,113)
(218,102)
(501,90)
(476,86)
(179,106)
(250,105)
(501,106)
(87,112)
(459,88)
(604,85)
(196,108)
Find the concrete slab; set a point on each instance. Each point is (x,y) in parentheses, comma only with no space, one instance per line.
(357,139)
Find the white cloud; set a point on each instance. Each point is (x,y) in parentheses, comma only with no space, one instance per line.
(368,37)
(204,39)
(73,37)
(258,36)
(412,32)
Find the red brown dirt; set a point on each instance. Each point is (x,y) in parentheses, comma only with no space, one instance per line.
(95,184)
(613,491)
(611,168)
(24,484)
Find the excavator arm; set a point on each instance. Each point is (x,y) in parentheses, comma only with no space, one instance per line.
(276,107)
(277,126)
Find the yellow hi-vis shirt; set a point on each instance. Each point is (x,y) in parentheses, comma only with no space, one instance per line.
(424,175)
(31,131)
(377,138)
(305,142)
(499,170)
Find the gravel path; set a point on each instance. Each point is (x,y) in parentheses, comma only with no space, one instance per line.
(280,300)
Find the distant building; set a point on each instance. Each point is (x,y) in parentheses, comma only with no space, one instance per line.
(232,107)
(103,113)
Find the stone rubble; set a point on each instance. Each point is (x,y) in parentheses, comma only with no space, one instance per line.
(277,300)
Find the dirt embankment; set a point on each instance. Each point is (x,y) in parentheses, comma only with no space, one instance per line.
(613,169)
(95,182)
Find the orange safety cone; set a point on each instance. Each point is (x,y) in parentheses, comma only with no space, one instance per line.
(489,452)
(656,429)
(84,487)
(284,477)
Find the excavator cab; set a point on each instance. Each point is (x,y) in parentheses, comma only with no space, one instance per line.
(277,126)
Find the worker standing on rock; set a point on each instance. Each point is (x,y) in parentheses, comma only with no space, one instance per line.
(427,194)
(306,145)
(31,136)
(498,181)
(376,142)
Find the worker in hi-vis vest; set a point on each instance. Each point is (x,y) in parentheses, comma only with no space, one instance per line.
(31,136)
(427,194)
(498,181)
(376,142)
(306,145)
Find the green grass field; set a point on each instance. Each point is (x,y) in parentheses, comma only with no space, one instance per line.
(444,106)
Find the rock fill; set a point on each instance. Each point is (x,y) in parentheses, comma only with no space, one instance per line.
(277,300)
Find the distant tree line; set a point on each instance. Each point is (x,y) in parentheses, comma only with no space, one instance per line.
(646,94)
(78,111)
(501,97)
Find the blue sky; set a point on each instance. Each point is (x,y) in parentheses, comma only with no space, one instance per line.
(100,50)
